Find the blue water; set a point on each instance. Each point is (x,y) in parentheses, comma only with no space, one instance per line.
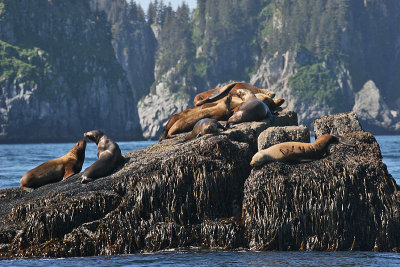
(222,258)
(16,159)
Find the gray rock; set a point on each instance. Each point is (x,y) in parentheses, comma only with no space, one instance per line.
(156,108)
(337,124)
(275,72)
(276,135)
(73,89)
(372,110)
(249,131)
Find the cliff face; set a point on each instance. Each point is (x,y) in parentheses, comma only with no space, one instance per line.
(133,41)
(317,55)
(204,193)
(321,56)
(59,74)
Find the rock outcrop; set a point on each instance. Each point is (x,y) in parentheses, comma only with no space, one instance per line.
(59,75)
(275,73)
(204,193)
(156,108)
(373,111)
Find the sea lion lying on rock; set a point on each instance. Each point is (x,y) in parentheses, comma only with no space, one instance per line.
(204,126)
(56,169)
(185,120)
(273,104)
(294,152)
(108,153)
(220,92)
(252,109)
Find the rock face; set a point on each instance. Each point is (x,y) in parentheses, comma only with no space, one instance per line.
(373,111)
(275,73)
(204,193)
(156,108)
(61,78)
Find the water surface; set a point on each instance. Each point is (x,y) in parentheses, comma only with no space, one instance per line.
(16,159)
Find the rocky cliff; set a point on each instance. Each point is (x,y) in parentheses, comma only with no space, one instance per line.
(60,76)
(318,55)
(323,57)
(204,193)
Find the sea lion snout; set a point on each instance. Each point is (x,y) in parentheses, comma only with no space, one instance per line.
(94,135)
(82,144)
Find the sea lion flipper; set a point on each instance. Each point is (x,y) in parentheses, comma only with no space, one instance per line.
(69,171)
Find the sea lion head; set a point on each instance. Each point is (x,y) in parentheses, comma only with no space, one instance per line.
(94,135)
(260,158)
(79,149)
(244,94)
(198,100)
(209,126)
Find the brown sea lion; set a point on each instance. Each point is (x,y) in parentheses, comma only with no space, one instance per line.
(108,153)
(296,151)
(220,92)
(185,120)
(252,109)
(56,169)
(204,126)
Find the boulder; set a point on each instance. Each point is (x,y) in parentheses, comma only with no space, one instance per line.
(373,111)
(346,201)
(276,135)
(337,124)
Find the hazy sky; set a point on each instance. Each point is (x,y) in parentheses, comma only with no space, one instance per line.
(174,3)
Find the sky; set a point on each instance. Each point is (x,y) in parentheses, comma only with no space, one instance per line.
(174,3)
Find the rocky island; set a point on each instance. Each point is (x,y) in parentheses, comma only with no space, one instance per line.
(204,193)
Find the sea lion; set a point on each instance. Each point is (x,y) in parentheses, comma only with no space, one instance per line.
(185,120)
(204,126)
(272,104)
(220,92)
(296,151)
(252,109)
(56,169)
(108,153)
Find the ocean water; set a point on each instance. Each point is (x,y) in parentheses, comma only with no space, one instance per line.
(16,159)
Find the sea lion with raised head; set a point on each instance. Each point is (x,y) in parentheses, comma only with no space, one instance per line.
(220,92)
(56,169)
(109,155)
(252,109)
(185,120)
(204,126)
(296,151)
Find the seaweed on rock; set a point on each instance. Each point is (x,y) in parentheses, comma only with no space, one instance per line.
(204,193)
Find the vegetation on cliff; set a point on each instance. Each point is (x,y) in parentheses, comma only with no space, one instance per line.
(51,53)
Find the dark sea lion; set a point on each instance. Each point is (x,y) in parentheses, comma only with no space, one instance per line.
(272,104)
(108,153)
(220,92)
(185,120)
(204,126)
(252,109)
(296,151)
(56,169)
